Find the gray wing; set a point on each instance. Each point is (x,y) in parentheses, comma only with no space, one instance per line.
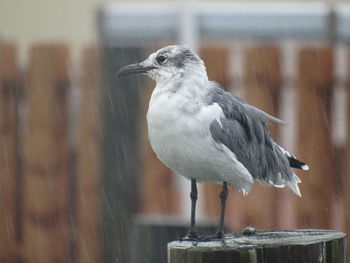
(243,130)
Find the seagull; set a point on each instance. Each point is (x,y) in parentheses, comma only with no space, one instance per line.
(206,134)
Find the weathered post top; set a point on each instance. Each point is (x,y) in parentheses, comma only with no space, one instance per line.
(267,246)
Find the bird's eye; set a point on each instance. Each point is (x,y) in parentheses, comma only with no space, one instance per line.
(161,59)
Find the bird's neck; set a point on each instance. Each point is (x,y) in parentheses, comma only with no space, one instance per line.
(192,81)
(188,90)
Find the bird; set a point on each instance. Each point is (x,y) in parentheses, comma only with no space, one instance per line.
(206,134)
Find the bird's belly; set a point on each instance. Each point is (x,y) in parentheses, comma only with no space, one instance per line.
(201,159)
(190,156)
(180,139)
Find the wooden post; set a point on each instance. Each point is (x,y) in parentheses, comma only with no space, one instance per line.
(316,75)
(8,152)
(216,59)
(293,246)
(89,159)
(262,81)
(46,177)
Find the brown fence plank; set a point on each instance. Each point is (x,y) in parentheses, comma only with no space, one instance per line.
(262,80)
(8,151)
(217,62)
(316,75)
(347,162)
(46,218)
(89,159)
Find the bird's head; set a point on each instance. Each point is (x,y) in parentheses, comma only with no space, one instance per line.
(168,63)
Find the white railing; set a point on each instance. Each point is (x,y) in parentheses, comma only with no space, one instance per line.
(143,24)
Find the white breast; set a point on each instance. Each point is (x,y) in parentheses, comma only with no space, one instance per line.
(174,121)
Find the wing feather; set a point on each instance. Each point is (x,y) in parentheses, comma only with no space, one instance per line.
(244,131)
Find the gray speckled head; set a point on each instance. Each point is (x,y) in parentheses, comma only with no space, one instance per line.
(174,62)
(179,56)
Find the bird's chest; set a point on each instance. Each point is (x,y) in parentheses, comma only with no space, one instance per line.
(178,129)
(171,121)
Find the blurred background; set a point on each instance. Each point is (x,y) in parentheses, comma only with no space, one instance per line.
(78,179)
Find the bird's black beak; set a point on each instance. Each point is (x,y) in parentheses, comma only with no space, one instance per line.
(134,69)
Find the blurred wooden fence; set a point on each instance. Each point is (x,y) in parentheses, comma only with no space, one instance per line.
(50,156)
(50,189)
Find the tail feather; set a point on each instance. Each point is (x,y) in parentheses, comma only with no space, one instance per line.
(293,161)
(294,185)
(285,176)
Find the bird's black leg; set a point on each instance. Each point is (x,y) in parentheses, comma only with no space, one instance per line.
(194,195)
(223,198)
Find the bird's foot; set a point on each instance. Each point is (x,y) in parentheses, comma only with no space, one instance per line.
(192,236)
(218,236)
